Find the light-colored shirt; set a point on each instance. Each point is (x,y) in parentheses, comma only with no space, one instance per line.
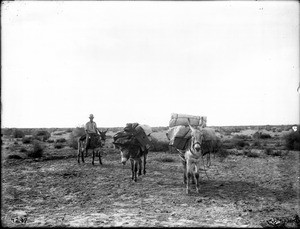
(91,127)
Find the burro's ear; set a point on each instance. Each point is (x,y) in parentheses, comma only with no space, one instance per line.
(192,128)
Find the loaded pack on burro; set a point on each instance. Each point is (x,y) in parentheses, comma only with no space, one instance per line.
(189,135)
(134,143)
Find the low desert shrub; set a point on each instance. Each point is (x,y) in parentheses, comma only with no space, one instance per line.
(287,128)
(7,131)
(76,133)
(276,136)
(268,151)
(50,141)
(116,129)
(241,136)
(268,128)
(265,136)
(278,153)
(37,151)
(69,130)
(277,144)
(251,153)
(73,142)
(292,140)
(165,159)
(23,150)
(26,140)
(256,143)
(42,135)
(239,143)
(222,153)
(18,133)
(227,144)
(272,152)
(260,135)
(265,144)
(112,151)
(58,146)
(14,156)
(297,146)
(59,133)
(60,140)
(158,146)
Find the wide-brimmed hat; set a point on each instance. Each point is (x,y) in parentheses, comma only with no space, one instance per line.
(91,116)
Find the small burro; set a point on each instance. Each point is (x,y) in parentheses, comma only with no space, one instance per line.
(134,143)
(189,135)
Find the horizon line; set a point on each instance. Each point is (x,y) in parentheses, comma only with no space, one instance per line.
(253,125)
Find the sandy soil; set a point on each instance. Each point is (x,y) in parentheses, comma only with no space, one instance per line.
(238,192)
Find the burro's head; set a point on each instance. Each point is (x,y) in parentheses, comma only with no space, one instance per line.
(196,139)
(103,136)
(124,155)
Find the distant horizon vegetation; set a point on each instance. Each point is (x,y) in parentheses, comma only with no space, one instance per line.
(159,127)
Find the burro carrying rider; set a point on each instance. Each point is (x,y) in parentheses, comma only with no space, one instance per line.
(91,129)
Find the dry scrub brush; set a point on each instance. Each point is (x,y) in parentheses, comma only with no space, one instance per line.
(58,146)
(26,140)
(158,145)
(42,135)
(292,140)
(76,133)
(60,140)
(37,151)
(260,135)
(17,133)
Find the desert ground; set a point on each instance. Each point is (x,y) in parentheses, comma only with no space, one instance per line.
(252,181)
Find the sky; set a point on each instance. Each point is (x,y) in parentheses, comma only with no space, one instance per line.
(237,63)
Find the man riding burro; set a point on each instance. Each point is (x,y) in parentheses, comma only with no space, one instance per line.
(91,130)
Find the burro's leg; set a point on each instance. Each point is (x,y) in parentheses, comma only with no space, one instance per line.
(140,166)
(132,168)
(99,155)
(79,151)
(135,169)
(87,141)
(145,161)
(208,160)
(82,154)
(189,176)
(93,156)
(196,176)
(184,171)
